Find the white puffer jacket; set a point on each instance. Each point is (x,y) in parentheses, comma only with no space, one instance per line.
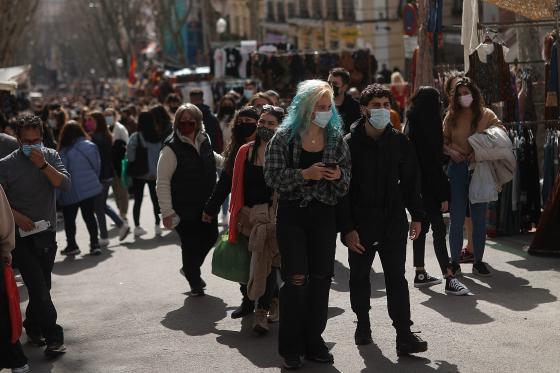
(495,164)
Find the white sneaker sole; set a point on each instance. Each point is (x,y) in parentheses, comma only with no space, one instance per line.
(457,293)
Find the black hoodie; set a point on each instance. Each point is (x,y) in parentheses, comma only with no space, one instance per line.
(212,127)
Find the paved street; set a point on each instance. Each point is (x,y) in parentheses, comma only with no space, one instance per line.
(128,311)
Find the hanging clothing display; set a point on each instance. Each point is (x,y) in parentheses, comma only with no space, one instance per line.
(490,71)
(547,236)
(282,71)
(469,32)
(551,162)
(518,207)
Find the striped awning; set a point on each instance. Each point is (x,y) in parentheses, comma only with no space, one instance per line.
(532,9)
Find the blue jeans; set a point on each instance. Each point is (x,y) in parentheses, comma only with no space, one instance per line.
(459,179)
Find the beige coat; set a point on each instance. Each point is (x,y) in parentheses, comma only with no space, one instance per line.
(7,225)
(263,247)
(494,166)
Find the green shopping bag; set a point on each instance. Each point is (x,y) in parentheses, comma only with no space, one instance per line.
(125,178)
(231,261)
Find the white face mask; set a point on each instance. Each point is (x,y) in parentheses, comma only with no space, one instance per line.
(379,118)
(466,101)
(322,118)
(109,120)
(52,123)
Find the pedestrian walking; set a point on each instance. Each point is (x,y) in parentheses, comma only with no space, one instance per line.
(11,354)
(425,131)
(30,177)
(385,181)
(186,175)
(164,124)
(308,164)
(211,124)
(467,252)
(348,108)
(150,140)
(118,153)
(243,131)
(81,158)
(103,138)
(467,116)
(253,209)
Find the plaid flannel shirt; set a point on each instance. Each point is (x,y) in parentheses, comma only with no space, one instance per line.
(285,177)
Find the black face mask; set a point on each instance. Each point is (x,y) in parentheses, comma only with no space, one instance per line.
(265,133)
(336,90)
(227,110)
(244,130)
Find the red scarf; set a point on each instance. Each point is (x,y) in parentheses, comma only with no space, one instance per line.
(237,189)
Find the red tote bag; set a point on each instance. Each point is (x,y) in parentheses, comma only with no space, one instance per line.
(12,294)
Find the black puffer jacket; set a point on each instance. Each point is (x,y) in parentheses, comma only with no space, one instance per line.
(105,149)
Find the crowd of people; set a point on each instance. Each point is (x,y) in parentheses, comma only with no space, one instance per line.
(285,180)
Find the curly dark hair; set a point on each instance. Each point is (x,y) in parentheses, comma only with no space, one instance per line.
(372,91)
(477,105)
(235,143)
(28,121)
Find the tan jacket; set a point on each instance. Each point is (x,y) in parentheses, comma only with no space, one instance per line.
(7,225)
(263,247)
(457,137)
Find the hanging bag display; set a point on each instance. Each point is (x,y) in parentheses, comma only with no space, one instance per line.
(231,261)
(140,165)
(12,295)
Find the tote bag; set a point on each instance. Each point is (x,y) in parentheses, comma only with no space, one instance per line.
(231,261)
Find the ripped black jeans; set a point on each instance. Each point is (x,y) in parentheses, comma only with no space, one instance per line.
(307,242)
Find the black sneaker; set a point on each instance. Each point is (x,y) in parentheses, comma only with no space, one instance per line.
(362,335)
(36,340)
(292,362)
(70,251)
(480,268)
(95,250)
(456,268)
(454,287)
(410,343)
(246,308)
(423,279)
(197,291)
(322,358)
(55,349)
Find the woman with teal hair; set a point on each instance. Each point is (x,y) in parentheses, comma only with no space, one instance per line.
(308,164)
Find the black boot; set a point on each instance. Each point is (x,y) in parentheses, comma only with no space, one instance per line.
(246,308)
(362,336)
(410,343)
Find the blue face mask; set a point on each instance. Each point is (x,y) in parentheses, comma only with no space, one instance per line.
(26,149)
(109,120)
(379,118)
(248,93)
(322,118)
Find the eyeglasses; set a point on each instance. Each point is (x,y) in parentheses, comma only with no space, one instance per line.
(269,108)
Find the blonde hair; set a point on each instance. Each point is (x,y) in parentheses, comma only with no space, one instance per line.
(193,111)
(397,78)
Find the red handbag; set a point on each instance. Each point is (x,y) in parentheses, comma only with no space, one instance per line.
(12,295)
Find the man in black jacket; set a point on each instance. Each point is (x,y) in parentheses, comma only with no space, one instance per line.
(372,217)
(348,108)
(211,123)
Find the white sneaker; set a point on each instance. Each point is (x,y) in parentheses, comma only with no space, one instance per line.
(139,231)
(23,369)
(124,230)
(158,230)
(103,242)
